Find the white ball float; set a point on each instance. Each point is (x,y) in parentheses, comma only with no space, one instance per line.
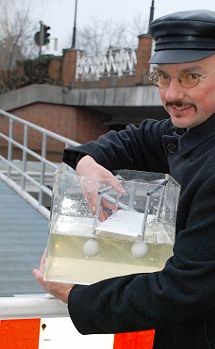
(139,249)
(91,248)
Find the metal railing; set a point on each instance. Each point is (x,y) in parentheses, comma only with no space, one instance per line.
(114,62)
(15,172)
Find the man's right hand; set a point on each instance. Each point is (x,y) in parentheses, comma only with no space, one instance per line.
(89,168)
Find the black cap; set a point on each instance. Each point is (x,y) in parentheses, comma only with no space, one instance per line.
(184,36)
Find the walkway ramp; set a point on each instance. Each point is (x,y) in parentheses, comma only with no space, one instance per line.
(23,237)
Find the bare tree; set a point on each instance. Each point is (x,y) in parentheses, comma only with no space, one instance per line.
(138,26)
(16,33)
(98,36)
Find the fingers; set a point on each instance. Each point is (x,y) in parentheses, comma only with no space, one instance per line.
(43,260)
(56,289)
(95,179)
(38,276)
(117,186)
(100,202)
(87,167)
(38,273)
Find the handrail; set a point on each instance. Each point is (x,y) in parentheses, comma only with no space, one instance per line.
(12,167)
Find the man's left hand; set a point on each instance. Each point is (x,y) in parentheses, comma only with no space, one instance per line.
(56,289)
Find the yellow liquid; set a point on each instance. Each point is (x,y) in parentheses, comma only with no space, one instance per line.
(66,261)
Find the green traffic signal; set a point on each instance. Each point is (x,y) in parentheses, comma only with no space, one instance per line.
(42,37)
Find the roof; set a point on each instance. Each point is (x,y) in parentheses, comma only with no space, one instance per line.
(23,237)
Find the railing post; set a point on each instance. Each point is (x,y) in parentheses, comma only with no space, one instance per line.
(24,156)
(42,173)
(10,146)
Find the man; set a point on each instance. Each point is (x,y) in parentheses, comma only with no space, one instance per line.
(179,301)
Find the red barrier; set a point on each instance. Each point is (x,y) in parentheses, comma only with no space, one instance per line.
(19,334)
(134,340)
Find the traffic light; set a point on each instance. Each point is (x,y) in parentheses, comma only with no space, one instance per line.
(41,37)
(46,34)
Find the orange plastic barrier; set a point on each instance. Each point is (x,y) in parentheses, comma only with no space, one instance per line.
(134,340)
(19,334)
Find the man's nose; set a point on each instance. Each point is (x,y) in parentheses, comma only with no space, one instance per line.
(175,90)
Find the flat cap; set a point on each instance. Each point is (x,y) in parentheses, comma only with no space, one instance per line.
(183,36)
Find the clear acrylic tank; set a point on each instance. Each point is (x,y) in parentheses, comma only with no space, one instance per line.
(98,233)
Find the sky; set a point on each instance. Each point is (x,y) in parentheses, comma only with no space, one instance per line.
(59,14)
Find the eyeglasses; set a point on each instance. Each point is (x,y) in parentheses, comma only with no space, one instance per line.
(186,79)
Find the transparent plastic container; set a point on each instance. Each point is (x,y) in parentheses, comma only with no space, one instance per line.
(98,233)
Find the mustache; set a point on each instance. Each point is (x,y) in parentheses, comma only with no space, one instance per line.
(180,103)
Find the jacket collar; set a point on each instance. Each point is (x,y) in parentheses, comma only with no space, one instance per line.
(194,137)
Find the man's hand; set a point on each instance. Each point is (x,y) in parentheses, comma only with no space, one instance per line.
(87,167)
(56,289)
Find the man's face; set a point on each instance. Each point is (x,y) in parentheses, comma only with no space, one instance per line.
(189,107)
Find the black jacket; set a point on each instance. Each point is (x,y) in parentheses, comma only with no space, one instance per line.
(179,301)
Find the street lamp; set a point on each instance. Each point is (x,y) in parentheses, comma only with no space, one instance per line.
(74,26)
(151,17)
